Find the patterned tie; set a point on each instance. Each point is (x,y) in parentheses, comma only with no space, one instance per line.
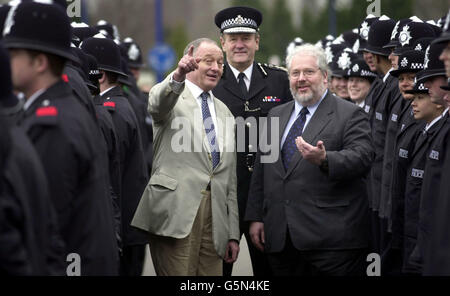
(242,85)
(209,129)
(289,147)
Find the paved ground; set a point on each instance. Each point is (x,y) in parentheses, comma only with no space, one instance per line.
(242,267)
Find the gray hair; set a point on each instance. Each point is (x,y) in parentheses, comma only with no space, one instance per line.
(196,43)
(310,50)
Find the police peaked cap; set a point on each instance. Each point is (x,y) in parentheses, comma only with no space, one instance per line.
(40,27)
(238,19)
(432,65)
(409,61)
(359,68)
(379,35)
(107,53)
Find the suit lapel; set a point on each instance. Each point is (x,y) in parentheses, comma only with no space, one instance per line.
(317,123)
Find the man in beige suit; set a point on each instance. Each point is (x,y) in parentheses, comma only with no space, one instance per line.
(189,206)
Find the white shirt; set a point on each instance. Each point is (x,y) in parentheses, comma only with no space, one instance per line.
(297,108)
(32,99)
(247,72)
(196,92)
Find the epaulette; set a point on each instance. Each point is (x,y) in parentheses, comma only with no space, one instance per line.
(271,66)
(46,115)
(110,105)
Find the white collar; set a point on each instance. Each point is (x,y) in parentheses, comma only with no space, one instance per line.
(107,90)
(247,72)
(32,98)
(387,75)
(196,90)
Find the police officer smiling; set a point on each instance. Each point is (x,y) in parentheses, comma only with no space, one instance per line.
(249,90)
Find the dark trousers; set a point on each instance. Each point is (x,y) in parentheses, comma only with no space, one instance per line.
(260,264)
(292,262)
(132,260)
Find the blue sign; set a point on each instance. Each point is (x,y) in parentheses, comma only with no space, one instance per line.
(161,57)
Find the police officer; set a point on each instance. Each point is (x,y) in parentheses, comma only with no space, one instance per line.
(132,164)
(249,90)
(433,233)
(30,220)
(64,135)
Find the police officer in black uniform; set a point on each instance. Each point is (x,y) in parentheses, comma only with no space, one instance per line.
(249,90)
(132,163)
(29,236)
(65,136)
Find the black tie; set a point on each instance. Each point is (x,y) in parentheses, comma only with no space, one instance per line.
(289,147)
(242,85)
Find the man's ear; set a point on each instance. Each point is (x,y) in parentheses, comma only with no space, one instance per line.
(41,63)
(102,79)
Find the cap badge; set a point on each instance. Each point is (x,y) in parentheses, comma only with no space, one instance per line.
(404,36)
(239,20)
(404,62)
(344,61)
(355,68)
(133,52)
(364,30)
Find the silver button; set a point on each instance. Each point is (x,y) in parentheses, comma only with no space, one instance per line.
(250,147)
(248,124)
(45,103)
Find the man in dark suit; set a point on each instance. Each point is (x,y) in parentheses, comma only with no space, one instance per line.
(249,90)
(308,208)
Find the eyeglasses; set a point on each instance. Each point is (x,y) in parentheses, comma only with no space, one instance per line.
(307,73)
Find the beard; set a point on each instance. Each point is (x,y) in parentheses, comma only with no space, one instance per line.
(309,98)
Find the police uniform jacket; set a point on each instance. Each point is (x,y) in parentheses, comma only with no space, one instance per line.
(406,139)
(112,145)
(36,248)
(433,230)
(76,82)
(414,178)
(67,141)
(379,123)
(397,104)
(132,163)
(269,87)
